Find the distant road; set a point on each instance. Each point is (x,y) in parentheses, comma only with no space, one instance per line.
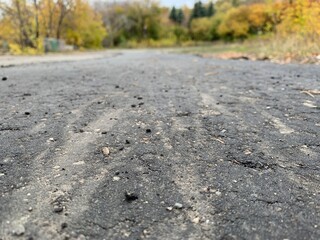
(151,145)
(9,61)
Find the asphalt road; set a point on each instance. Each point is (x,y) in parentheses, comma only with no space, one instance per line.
(153,145)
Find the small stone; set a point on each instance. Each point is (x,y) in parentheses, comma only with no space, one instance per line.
(81,237)
(218,193)
(169,209)
(51,140)
(116,178)
(4,78)
(130,197)
(148,130)
(104,132)
(247,152)
(57,209)
(105,151)
(27,113)
(30,209)
(196,220)
(178,205)
(133,105)
(79,163)
(18,230)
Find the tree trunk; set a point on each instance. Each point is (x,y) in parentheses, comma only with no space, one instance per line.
(36,7)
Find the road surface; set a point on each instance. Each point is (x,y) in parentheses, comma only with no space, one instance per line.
(154,145)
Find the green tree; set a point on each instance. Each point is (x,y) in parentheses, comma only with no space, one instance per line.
(198,10)
(211,10)
(180,16)
(173,15)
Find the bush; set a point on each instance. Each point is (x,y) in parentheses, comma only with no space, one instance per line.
(235,24)
(201,29)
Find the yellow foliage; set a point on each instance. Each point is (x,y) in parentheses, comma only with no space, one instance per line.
(85,27)
(74,21)
(235,24)
(200,29)
(7,30)
(257,16)
(15,49)
(301,17)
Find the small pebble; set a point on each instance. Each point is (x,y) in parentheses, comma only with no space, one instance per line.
(196,220)
(57,209)
(18,230)
(81,237)
(116,178)
(169,209)
(178,205)
(218,193)
(105,151)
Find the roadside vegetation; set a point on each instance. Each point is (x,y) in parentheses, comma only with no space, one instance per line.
(287,29)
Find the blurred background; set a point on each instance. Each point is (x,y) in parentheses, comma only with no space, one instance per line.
(261,29)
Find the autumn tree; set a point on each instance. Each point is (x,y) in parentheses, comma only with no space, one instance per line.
(19,14)
(236,24)
(28,22)
(115,20)
(201,29)
(83,26)
(145,16)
